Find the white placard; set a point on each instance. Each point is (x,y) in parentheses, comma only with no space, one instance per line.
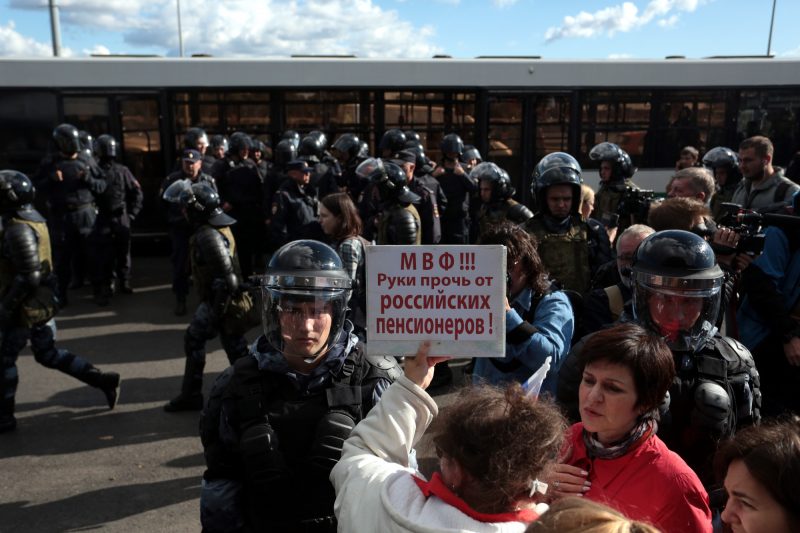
(453,296)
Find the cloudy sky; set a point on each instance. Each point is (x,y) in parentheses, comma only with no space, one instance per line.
(404,28)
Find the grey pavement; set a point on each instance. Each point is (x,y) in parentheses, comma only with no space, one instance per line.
(73,465)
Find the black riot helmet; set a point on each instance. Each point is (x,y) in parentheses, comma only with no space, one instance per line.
(200,201)
(67,140)
(305,280)
(106,147)
(392,141)
(239,142)
(412,135)
(470,153)
(284,152)
(293,137)
(421,165)
(452,144)
(677,288)
(722,157)
(363,150)
(16,191)
(346,148)
(194,138)
(622,166)
(219,141)
(558,168)
(391,180)
(313,144)
(257,146)
(86,140)
(498,177)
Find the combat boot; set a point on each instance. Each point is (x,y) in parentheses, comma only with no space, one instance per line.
(191,396)
(124,286)
(7,420)
(108,382)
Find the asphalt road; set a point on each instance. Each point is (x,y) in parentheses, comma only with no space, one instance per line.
(73,465)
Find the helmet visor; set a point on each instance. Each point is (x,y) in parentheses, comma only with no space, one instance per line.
(178,191)
(303,322)
(684,313)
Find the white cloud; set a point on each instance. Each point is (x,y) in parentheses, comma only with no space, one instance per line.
(504,3)
(12,43)
(242,28)
(619,18)
(668,22)
(619,56)
(97,49)
(794,52)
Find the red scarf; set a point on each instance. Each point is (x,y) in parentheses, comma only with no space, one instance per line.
(437,487)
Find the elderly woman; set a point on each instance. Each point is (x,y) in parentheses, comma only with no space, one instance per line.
(761,468)
(615,457)
(539,318)
(492,445)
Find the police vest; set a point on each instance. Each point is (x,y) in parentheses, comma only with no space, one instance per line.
(565,255)
(262,397)
(42,304)
(202,272)
(393,218)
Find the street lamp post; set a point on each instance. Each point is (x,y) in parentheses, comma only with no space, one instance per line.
(180,31)
(771,25)
(55,28)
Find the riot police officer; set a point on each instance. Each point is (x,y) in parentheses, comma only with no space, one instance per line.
(28,299)
(431,197)
(326,169)
(496,191)
(225,308)
(457,187)
(391,143)
(276,421)
(399,221)
(217,149)
(117,207)
(724,164)
(346,149)
(676,286)
(572,249)
(616,171)
(295,209)
(471,157)
(197,139)
(179,228)
(69,187)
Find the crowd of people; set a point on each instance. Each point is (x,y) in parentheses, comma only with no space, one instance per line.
(670,330)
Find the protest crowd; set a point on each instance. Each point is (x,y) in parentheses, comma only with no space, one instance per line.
(662,329)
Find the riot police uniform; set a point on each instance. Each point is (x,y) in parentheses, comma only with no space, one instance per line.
(721,157)
(458,188)
(28,300)
(433,202)
(180,230)
(399,221)
(69,187)
(225,308)
(611,192)
(347,150)
(272,432)
(716,388)
(572,249)
(117,207)
(500,206)
(295,209)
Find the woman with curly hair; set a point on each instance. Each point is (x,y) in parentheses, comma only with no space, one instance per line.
(539,318)
(492,445)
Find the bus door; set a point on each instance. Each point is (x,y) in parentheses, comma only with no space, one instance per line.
(140,123)
(523,128)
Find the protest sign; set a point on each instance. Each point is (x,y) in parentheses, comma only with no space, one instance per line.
(453,296)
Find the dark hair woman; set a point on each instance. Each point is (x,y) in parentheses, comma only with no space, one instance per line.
(339,219)
(492,445)
(761,469)
(615,457)
(539,318)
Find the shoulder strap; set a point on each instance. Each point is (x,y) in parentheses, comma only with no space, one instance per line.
(780,190)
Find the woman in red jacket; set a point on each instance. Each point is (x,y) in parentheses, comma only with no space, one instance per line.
(615,457)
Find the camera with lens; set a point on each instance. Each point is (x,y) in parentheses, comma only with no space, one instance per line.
(750,226)
(635,204)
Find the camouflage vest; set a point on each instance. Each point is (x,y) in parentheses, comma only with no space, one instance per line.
(41,305)
(566,255)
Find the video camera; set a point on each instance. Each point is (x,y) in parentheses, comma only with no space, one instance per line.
(750,226)
(635,203)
